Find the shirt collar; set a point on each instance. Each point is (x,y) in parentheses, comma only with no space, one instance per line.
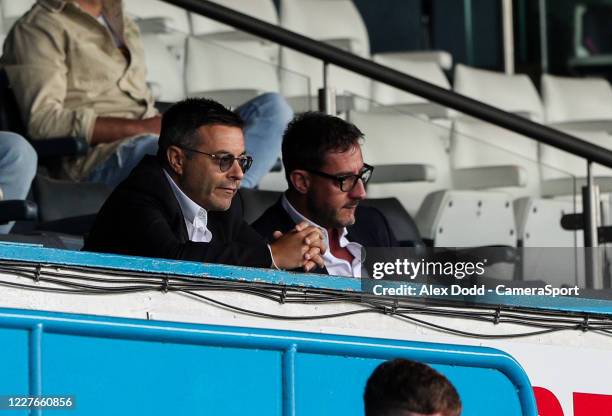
(191,211)
(295,215)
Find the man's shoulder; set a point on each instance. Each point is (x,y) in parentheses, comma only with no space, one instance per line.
(42,16)
(144,193)
(38,25)
(370,227)
(275,218)
(147,176)
(368,216)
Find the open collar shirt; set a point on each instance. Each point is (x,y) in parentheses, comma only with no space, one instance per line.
(196,217)
(334,265)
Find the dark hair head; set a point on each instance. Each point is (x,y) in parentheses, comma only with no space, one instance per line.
(400,386)
(310,136)
(181,121)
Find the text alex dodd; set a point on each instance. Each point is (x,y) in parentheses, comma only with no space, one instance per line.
(477,290)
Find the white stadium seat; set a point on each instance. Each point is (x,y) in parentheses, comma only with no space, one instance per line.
(442,58)
(259,9)
(513,93)
(556,182)
(232,38)
(336,22)
(485,156)
(215,71)
(393,139)
(156,16)
(490,157)
(164,70)
(13,10)
(427,71)
(577,102)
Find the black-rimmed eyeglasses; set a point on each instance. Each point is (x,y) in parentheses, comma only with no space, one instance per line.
(347,182)
(226,161)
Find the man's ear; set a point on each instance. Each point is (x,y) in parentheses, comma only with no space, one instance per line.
(176,159)
(300,179)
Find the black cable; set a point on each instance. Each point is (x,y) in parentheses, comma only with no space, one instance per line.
(141,282)
(280,317)
(475,335)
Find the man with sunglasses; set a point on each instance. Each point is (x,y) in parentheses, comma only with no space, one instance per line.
(180,204)
(326,175)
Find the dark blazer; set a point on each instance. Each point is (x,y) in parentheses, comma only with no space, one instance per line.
(142,217)
(370,229)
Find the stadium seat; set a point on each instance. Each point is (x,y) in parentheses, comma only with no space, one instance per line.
(50,151)
(60,199)
(513,93)
(556,182)
(207,74)
(336,22)
(256,201)
(232,38)
(274,181)
(164,70)
(441,58)
(168,26)
(548,252)
(12,10)
(259,9)
(406,102)
(467,219)
(556,166)
(577,103)
(61,213)
(17,210)
(414,167)
(411,163)
(157,16)
(485,156)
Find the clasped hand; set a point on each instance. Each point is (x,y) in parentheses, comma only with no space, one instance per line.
(300,247)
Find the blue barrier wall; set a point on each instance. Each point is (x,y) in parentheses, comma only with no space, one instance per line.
(116,366)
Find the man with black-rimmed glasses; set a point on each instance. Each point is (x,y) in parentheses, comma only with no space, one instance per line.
(326,179)
(181,204)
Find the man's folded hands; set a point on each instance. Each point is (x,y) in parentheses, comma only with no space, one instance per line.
(302,247)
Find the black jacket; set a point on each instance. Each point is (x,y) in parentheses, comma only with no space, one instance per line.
(370,229)
(142,217)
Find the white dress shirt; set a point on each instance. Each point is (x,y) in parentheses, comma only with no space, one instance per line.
(196,217)
(334,265)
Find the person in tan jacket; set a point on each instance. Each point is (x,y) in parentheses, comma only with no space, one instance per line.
(77,69)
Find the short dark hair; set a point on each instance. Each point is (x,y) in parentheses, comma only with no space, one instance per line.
(399,386)
(181,121)
(311,135)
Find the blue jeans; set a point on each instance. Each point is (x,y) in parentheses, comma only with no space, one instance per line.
(119,165)
(18,162)
(266,118)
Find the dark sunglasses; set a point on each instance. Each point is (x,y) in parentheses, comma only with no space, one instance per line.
(226,161)
(347,182)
